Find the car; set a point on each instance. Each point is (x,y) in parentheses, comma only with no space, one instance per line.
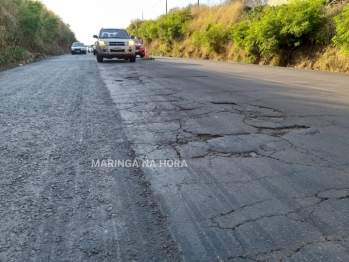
(115,43)
(95,47)
(139,48)
(78,48)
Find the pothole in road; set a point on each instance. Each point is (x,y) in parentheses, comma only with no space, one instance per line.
(190,76)
(206,137)
(263,110)
(223,103)
(334,193)
(274,146)
(276,119)
(199,138)
(281,131)
(132,78)
(252,154)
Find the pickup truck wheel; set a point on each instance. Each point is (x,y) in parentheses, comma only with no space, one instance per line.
(133,59)
(99,59)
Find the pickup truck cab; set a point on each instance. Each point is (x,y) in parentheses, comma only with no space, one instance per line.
(114,43)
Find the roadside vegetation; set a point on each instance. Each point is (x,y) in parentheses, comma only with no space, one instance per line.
(29,30)
(305,33)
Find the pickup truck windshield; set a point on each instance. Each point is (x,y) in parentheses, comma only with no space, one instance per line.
(113,33)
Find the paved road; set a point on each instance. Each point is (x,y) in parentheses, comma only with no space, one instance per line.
(263,154)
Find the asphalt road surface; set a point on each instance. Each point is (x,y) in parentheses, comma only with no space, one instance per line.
(222,162)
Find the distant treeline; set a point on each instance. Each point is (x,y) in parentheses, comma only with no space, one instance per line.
(305,33)
(27,27)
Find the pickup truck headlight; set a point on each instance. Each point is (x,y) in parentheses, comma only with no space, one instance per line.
(102,43)
(131,43)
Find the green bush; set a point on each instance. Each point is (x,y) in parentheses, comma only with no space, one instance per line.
(301,20)
(244,34)
(148,30)
(269,31)
(173,25)
(341,39)
(134,26)
(215,37)
(169,27)
(30,21)
(49,28)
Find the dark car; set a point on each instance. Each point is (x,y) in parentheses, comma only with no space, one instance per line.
(139,48)
(78,48)
(95,48)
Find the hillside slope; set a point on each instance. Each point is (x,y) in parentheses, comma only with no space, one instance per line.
(29,30)
(304,34)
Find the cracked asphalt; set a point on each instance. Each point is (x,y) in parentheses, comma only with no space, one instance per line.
(266,152)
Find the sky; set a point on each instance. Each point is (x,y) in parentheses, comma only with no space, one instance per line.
(86,18)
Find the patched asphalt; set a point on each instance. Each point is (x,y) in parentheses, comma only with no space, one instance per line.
(265,150)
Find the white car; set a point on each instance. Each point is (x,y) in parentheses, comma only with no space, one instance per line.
(78,48)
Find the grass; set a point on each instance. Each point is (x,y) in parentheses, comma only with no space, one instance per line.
(225,14)
(331,60)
